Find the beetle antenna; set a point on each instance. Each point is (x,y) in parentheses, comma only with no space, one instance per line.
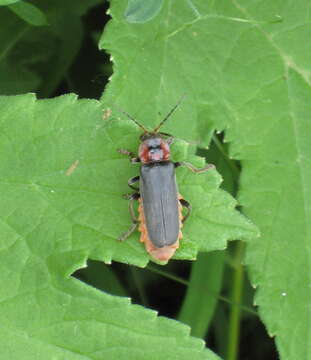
(131,118)
(170,113)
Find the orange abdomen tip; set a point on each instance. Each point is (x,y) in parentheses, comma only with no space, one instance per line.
(163,253)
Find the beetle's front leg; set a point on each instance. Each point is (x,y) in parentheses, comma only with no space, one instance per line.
(193,168)
(131,199)
(131,155)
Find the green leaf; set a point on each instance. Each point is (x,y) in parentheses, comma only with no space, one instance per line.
(8,2)
(279,200)
(140,11)
(268,92)
(15,76)
(61,203)
(165,59)
(30,13)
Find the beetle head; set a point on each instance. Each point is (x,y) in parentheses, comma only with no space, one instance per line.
(153,148)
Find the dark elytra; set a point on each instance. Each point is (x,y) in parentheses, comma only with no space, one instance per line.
(158,190)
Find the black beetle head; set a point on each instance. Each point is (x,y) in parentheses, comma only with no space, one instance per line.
(153,148)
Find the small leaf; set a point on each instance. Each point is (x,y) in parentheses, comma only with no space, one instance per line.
(28,51)
(15,74)
(141,11)
(30,13)
(8,2)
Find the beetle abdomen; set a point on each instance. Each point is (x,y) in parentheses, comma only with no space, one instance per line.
(166,252)
(158,190)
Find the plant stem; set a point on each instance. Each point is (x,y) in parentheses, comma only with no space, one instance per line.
(236,297)
(168,275)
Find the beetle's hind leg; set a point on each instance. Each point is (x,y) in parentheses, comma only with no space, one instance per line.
(131,199)
(184,203)
(129,232)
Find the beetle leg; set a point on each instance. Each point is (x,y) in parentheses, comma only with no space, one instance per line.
(134,196)
(131,198)
(184,203)
(133,158)
(126,152)
(128,233)
(193,168)
(133,180)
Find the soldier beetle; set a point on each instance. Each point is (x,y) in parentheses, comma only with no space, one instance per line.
(160,205)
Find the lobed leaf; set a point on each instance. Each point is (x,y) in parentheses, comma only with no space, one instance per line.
(61,203)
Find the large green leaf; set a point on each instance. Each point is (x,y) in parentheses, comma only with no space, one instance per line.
(61,185)
(271,113)
(250,76)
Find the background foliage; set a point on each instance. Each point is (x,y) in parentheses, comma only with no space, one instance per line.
(245,68)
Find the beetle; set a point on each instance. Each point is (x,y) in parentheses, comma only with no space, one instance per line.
(160,205)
